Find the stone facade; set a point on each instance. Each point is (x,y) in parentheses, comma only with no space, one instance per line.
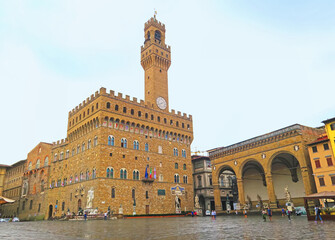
(12,188)
(112,141)
(266,164)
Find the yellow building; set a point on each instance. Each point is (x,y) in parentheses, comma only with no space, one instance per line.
(330,130)
(3,169)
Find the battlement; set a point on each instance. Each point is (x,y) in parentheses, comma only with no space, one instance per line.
(126,98)
(154,22)
(148,44)
(60,143)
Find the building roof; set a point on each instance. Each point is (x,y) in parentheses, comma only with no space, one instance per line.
(329,120)
(326,194)
(3,165)
(197,157)
(321,139)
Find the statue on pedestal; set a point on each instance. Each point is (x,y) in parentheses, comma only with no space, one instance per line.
(90,196)
(196,201)
(120,209)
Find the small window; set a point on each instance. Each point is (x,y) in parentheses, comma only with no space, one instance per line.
(136,145)
(152,117)
(108,105)
(110,140)
(176,165)
(146,116)
(329,162)
(124,143)
(158,119)
(133,193)
(31,204)
(116,107)
(165,120)
(333,179)
(176,178)
(184,166)
(97,106)
(185,179)
(332,126)
(139,113)
(321,181)
(132,111)
(317,164)
(113,193)
(314,149)
(147,147)
(146,194)
(326,146)
(124,110)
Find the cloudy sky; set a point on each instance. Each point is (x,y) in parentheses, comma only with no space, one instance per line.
(241,68)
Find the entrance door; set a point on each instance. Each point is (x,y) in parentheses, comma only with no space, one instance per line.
(212,205)
(146,209)
(50,211)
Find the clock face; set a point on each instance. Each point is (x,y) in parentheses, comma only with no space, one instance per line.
(161,103)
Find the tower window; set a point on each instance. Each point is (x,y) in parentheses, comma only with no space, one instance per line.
(108,105)
(139,113)
(132,111)
(146,116)
(116,107)
(158,35)
(148,35)
(124,109)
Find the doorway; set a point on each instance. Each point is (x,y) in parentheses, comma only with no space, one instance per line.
(50,211)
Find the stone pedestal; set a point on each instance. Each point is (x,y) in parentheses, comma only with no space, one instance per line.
(178,210)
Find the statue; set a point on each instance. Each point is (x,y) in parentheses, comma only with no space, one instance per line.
(287,194)
(196,201)
(177,202)
(90,196)
(120,209)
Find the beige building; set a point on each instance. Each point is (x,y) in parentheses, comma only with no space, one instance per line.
(12,188)
(265,165)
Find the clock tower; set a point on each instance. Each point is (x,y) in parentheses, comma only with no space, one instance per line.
(156,60)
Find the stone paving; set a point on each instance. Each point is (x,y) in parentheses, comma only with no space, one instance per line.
(224,227)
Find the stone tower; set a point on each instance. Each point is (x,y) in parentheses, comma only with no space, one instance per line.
(156,60)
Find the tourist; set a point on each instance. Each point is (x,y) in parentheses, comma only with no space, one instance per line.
(105,215)
(264,214)
(236,212)
(85,216)
(245,213)
(214,212)
(289,214)
(317,213)
(192,213)
(270,214)
(282,212)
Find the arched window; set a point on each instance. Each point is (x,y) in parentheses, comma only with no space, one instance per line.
(185,179)
(160,177)
(111,140)
(87,175)
(132,111)
(38,163)
(136,145)
(146,115)
(108,105)
(78,149)
(83,147)
(124,109)
(42,186)
(116,107)
(176,165)
(183,153)
(61,156)
(139,113)
(175,152)
(107,173)
(89,144)
(133,193)
(81,176)
(67,154)
(95,142)
(94,174)
(147,147)
(184,166)
(46,161)
(124,143)
(76,178)
(25,188)
(123,174)
(55,157)
(71,179)
(136,175)
(158,35)
(113,193)
(148,35)
(176,178)
(160,149)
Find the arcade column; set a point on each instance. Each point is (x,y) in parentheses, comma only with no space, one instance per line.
(271,191)
(217,198)
(240,188)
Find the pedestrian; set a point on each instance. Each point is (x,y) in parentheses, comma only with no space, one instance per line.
(270,214)
(264,215)
(105,215)
(282,212)
(289,215)
(317,213)
(192,213)
(85,216)
(214,215)
(245,213)
(236,212)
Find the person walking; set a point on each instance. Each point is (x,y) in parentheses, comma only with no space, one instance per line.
(282,212)
(289,214)
(270,214)
(214,215)
(264,215)
(105,215)
(245,213)
(85,216)
(317,213)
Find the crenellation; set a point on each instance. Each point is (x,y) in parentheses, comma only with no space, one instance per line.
(103,90)
(119,95)
(179,113)
(112,93)
(173,111)
(135,100)
(96,94)
(128,98)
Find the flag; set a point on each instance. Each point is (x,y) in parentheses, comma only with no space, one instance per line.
(150,173)
(154,173)
(146,172)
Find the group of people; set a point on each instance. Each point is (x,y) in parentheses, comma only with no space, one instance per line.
(213,213)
